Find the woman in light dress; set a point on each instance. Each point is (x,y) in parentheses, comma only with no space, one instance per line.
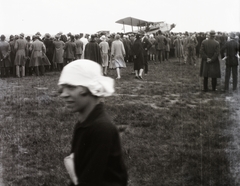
(117,54)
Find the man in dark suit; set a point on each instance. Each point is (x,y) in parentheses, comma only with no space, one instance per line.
(70,49)
(161,42)
(146,46)
(231,50)
(210,66)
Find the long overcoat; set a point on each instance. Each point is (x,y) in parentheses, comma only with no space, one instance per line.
(58,51)
(92,52)
(138,51)
(210,49)
(49,48)
(5,54)
(79,45)
(178,43)
(38,56)
(117,54)
(70,49)
(21,49)
(161,40)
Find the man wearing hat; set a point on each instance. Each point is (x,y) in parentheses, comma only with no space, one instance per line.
(96,154)
(230,49)
(58,53)
(161,41)
(38,57)
(12,55)
(5,62)
(210,66)
(20,59)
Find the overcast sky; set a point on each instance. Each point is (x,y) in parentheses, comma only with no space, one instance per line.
(90,16)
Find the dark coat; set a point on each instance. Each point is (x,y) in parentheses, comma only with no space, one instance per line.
(231,48)
(70,49)
(138,51)
(146,45)
(49,48)
(210,49)
(79,45)
(5,54)
(92,52)
(161,42)
(97,151)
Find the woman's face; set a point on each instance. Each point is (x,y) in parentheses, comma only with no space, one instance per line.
(75,97)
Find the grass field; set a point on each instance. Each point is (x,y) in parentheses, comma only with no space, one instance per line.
(172,132)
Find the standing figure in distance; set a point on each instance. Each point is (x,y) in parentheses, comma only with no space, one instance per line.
(138,52)
(231,49)
(146,46)
(92,51)
(20,59)
(104,47)
(210,66)
(58,53)
(118,53)
(5,61)
(70,49)
(79,45)
(38,57)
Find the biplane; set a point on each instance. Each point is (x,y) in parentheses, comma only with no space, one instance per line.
(146,26)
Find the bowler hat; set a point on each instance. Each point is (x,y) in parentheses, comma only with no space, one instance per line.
(232,35)
(212,33)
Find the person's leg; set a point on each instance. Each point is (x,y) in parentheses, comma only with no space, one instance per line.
(145,64)
(235,76)
(42,70)
(140,73)
(2,71)
(7,71)
(36,70)
(23,71)
(17,71)
(163,55)
(136,74)
(105,70)
(160,56)
(214,83)
(205,83)
(118,73)
(167,55)
(227,77)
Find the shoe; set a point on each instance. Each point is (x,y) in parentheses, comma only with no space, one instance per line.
(136,77)
(140,77)
(118,78)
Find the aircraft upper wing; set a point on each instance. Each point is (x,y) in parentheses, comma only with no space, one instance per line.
(132,21)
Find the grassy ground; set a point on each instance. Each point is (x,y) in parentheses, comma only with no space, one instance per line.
(172,133)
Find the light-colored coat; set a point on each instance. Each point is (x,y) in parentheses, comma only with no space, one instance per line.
(58,51)
(38,56)
(117,54)
(21,49)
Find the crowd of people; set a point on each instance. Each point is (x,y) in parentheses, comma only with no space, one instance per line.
(24,56)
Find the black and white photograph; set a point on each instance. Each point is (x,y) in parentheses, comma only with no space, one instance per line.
(119,93)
